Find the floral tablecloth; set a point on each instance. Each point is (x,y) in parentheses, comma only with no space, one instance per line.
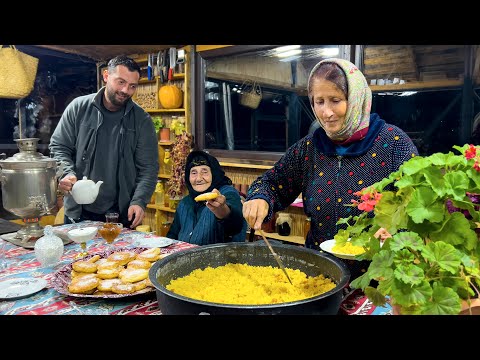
(22,263)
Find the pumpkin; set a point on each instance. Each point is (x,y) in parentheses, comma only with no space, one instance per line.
(170,96)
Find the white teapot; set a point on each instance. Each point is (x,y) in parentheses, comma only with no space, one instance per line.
(85,191)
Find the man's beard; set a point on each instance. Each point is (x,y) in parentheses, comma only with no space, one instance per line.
(113,99)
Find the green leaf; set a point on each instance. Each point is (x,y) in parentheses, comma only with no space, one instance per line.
(375,296)
(390,212)
(456,231)
(414,165)
(434,177)
(361,282)
(424,206)
(406,239)
(409,273)
(455,184)
(407,295)
(444,301)
(380,267)
(443,255)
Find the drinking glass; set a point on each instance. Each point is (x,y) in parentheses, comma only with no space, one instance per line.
(111,217)
(110,231)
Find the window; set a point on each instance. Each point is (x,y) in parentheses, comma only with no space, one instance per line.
(227,127)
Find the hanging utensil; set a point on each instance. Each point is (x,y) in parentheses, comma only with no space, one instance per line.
(149,68)
(275,255)
(159,59)
(173,61)
(162,66)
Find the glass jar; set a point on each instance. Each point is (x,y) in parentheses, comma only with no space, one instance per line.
(165,228)
(306,226)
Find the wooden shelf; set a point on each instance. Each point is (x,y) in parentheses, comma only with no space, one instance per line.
(417,85)
(247,166)
(164,110)
(158,207)
(292,238)
(178,76)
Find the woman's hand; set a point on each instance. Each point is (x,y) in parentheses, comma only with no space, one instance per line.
(218,205)
(255,211)
(382,234)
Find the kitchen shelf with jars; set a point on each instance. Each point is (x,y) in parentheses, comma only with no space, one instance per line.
(166,97)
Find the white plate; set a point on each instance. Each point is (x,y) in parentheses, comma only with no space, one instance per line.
(17,288)
(153,242)
(329,244)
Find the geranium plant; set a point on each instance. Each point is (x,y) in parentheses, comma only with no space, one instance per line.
(430,264)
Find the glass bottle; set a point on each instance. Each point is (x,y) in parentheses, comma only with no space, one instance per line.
(167,161)
(165,227)
(159,194)
(306,226)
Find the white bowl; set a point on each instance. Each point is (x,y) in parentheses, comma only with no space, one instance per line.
(82,234)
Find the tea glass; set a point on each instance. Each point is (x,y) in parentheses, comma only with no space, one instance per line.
(110,231)
(111,217)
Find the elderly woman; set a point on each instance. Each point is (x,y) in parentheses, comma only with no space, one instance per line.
(350,150)
(212,221)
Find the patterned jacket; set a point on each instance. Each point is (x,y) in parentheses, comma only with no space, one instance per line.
(328,175)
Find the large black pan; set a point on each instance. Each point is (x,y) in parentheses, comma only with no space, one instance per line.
(309,261)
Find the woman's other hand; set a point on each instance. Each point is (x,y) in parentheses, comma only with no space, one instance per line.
(218,205)
(255,211)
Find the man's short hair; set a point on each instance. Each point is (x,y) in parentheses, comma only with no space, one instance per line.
(129,63)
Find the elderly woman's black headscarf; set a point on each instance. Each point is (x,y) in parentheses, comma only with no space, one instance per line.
(199,158)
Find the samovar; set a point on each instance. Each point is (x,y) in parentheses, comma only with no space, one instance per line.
(29,186)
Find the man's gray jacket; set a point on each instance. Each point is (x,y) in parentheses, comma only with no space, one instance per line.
(73,143)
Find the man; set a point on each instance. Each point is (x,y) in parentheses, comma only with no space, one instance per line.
(107,136)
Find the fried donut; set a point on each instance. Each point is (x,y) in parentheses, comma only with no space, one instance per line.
(108,265)
(77,275)
(122,257)
(139,264)
(84,285)
(106,284)
(140,285)
(133,275)
(123,288)
(94,258)
(109,273)
(151,255)
(84,266)
(206,196)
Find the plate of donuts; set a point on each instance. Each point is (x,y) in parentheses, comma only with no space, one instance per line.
(115,273)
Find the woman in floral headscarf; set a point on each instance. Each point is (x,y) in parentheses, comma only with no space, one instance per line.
(351,149)
(208,222)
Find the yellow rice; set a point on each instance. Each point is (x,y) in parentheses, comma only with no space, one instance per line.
(249,285)
(348,248)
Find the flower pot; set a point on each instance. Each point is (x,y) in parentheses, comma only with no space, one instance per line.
(474,304)
(164,134)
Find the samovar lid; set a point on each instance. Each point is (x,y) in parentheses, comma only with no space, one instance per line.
(28,157)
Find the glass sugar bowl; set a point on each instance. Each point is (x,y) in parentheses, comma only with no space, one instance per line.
(49,248)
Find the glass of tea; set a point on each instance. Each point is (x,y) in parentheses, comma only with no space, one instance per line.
(110,231)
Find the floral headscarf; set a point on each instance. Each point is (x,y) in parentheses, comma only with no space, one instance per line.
(359,100)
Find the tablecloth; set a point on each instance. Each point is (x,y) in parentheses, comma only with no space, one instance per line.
(22,263)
